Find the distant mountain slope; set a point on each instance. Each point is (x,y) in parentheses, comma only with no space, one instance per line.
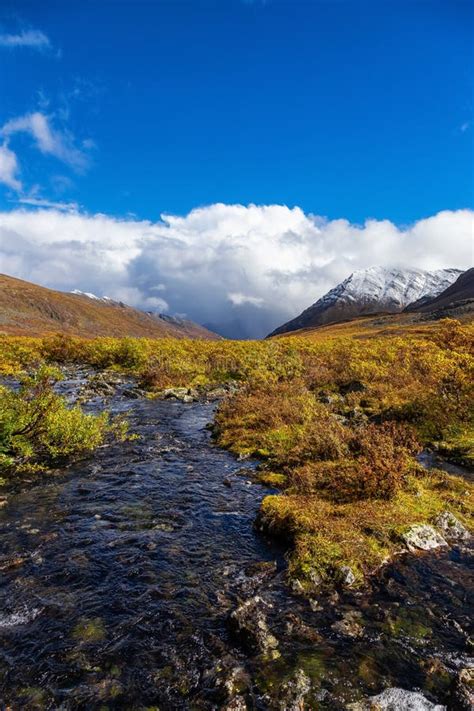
(371,291)
(29,309)
(458,297)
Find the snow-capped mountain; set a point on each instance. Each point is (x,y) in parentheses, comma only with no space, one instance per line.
(373,290)
(90,295)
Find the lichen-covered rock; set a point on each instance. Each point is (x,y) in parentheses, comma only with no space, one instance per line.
(452,528)
(250,626)
(294,692)
(396,700)
(423,537)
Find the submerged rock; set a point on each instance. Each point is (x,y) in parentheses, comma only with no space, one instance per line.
(423,537)
(396,700)
(452,528)
(250,626)
(294,691)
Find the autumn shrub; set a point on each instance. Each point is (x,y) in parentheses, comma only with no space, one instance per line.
(38,428)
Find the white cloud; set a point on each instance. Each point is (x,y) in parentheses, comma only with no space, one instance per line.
(27,38)
(49,140)
(9,168)
(272,260)
(239,299)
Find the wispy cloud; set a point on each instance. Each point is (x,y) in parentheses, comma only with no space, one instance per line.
(463,128)
(35,39)
(9,168)
(49,140)
(40,202)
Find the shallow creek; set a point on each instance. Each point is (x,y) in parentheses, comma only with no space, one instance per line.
(117,577)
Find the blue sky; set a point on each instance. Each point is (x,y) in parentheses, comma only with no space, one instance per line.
(346,109)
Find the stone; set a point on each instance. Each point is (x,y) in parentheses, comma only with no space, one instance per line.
(422,537)
(347,576)
(350,625)
(294,691)
(452,528)
(250,626)
(396,699)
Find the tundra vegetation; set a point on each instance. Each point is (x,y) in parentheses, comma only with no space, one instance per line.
(337,423)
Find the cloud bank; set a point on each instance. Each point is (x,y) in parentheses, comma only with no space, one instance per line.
(241,269)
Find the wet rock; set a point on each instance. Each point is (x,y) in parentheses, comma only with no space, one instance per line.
(422,537)
(294,692)
(396,700)
(463,694)
(300,630)
(175,393)
(350,625)
(297,587)
(230,681)
(249,624)
(452,528)
(133,393)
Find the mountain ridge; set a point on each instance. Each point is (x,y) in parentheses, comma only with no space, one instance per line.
(371,291)
(33,310)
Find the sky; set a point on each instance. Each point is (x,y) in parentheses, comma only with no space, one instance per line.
(232,160)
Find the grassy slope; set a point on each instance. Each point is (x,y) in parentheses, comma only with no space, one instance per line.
(28,309)
(404,324)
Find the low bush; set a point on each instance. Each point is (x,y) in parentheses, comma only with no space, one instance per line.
(38,429)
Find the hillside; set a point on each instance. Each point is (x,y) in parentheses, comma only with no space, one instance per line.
(32,310)
(371,291)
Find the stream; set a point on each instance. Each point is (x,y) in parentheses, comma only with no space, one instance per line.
(118,575)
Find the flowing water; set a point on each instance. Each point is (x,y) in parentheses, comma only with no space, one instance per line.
(119,573)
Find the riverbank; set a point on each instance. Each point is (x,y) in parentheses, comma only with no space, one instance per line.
(136,579)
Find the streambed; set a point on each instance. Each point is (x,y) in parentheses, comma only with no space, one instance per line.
(118,577)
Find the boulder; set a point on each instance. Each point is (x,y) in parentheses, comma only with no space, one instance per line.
(396,700)
(422,537)
(451,527)
(249,624)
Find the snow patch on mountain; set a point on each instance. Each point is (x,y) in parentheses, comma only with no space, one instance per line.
(90,295)
(373,290)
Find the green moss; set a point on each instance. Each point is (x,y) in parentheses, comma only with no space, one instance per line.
(89,631)
(273,479)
